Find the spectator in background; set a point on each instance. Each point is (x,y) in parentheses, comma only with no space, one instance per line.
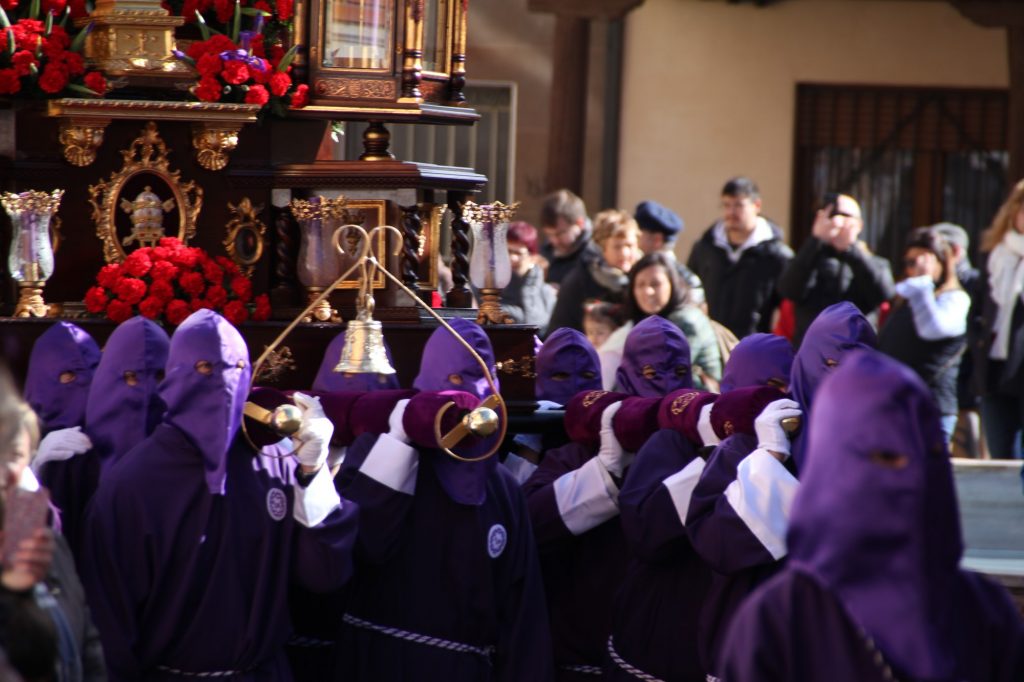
(563,218)
(528,299)
(998,347)
(739,260)
(659,227)
(833,265)
(927,328)
(604,279)
(968,441)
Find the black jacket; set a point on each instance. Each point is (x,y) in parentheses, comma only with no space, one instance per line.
(996,377)
(559,267)
(587,281)
(741,295)
(820,276)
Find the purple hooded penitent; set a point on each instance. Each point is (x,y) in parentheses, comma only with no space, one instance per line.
(876,519)
(567,364)
(123,404)
(205,386)
(444,359)
(837,330)
(60,370)
(655,360)
(329,380)
(757,360)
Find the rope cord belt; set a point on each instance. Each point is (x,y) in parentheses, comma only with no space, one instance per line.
(582,669)
(307,642)
(208,674)
(623,665)
(416,638)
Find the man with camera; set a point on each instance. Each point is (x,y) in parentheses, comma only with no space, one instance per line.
(833,265)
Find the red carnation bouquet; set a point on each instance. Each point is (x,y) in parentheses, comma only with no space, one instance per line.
(170,281)
(39,57)
(242,67)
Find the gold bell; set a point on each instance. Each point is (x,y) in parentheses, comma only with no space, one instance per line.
(364,349)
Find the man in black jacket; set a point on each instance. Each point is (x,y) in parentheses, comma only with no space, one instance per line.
(833,265)
(739,259)
(566,228)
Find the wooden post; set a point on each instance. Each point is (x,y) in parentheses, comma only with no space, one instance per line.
(568,104)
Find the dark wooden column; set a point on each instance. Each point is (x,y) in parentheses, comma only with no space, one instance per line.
(567,130)
(1008,15)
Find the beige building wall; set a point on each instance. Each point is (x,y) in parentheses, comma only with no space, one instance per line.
(710,87)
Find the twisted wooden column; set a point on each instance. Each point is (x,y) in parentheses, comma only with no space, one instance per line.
(460,295)
(409,260)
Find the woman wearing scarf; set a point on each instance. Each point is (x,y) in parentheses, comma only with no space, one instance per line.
(739,508)
(193,538)
(657,609)
(872,589)
(998,350)
(574,495)
(448,586)
(604,278)
(122,409)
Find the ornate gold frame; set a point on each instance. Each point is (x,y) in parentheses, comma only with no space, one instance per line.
(246,219)
(147,155)
(431,215)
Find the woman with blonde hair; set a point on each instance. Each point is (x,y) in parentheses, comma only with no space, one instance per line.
(616,234)
(998,349)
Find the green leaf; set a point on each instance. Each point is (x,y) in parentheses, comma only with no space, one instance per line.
(203,28)
(39,47)
(34,10)
(34,69)
(64,18)
(79,42)
(253,12)
(49,24)
(286,60)
(236,23)
(4,21)
(81,89)
(11,46)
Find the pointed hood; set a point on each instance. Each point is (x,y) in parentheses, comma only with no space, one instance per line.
(757,360)
(60,370)
(655,360)
(567,364)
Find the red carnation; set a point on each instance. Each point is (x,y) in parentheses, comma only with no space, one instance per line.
(235,312)
(55,6)
(216,296)
(163,270)
(74,63)
(9,82)
(170,242)
(242,288)
(213,273)
(130,290)
(95,81)
(192,283)
(138,263)
(78,9)
(53,80)
(209,64)
(58,36)
(228,265)
(151,307)
(197,304)
(262,311)
(184,257)
(119,311)
(235,72)
(224,9)
(96,299)
(162,290)
(300,97)
(261,76)
(256,45)
(108,275)
(285,9)
(23,61)
(8,5)
(177,311)
(209,89)
(279,83)
(257,94)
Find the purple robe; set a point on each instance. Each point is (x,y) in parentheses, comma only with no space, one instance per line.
(739,509)
(655,359)
(873,576)
(193,538)
(329,380)
(758,360)
(118,416)
(64,347)
(567,364)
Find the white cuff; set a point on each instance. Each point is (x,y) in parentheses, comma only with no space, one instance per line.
(762,496)
(520,468)
(681,484)
(315,502)
(392,463)
(704,428)
(586,497)
(28,480)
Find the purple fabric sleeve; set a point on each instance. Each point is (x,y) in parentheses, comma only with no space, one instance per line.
(322,555)
(718,534)
(548,526)
(649,518)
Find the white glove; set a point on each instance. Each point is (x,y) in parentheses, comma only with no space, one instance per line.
(313,439)
(768,425)
(60,445)
(704,428)
(611,454)
(395,428)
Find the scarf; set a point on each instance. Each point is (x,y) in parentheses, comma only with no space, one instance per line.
(1006,280)
(762,233)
